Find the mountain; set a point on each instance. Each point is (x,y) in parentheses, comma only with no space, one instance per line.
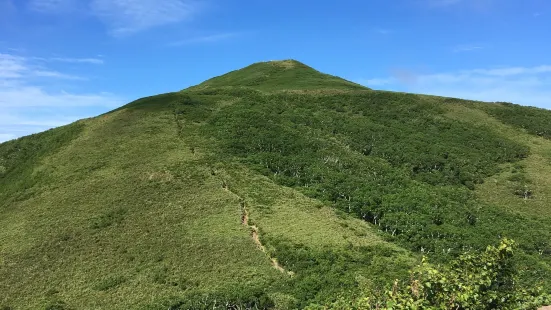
(273,186)
(280,76)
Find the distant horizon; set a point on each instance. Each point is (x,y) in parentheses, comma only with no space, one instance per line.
(65,60)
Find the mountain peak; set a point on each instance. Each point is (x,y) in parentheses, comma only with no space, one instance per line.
(276,75)
(286,64)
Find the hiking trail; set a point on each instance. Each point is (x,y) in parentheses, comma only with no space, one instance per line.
(255,231)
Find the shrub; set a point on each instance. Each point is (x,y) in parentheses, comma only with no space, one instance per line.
(487,280)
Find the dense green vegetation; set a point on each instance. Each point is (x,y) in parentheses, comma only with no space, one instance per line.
(287,75)
(19,158)
(534,120)
(188,200)
(487,280)
(399,165)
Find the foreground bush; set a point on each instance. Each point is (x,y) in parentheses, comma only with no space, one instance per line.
(485,280)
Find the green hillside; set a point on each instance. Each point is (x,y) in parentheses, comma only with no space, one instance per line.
(273,186)
(286,75)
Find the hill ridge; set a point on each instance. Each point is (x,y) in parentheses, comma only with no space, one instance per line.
(275,75)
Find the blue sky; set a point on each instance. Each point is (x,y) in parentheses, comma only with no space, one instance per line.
(62,60)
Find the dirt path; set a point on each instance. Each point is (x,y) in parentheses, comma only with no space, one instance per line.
(256,238)
(254,231)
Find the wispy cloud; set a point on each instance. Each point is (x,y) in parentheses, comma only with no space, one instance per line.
(443,3)
(510,71)
(6,136)
(11,67)
(130,16)
(52,6)
(123,17)
(383,31)
(14,67)
(7,7)
(207,39)
(16,49)
(35,96)
(30,102)
(523,85)
(476,5)
(377,82)
(467,48)
(93,61)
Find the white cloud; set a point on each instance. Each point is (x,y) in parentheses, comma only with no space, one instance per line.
(27,105)
(23,121)
(52,6)
(14,67)
(522,85)
(16,49)
(14,125)
(470,5)
(376,82)
(11,66)
(55,74)
(130,16)
(123,17)
(437,3)
(383,31)
(93,61)
(509,71)
(35,96)
(467,48)
(206,39)
(6,137)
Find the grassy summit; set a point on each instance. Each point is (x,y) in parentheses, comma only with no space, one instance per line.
(280,75)
(270,186)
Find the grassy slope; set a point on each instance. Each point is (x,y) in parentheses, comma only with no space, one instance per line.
(280,76)
(110,226)
(126,213)
(531,172)
(128,210)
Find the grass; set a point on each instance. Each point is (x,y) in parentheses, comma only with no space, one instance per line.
(280,75)
(131,217)
(141,208)
(98,225)
(533,171)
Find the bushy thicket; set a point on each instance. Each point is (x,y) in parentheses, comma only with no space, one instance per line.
(487,280)
(238,298)
(535,121)
(321,274)
(391,159)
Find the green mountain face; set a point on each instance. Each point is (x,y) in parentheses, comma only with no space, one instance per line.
(273,186)
(286,75)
